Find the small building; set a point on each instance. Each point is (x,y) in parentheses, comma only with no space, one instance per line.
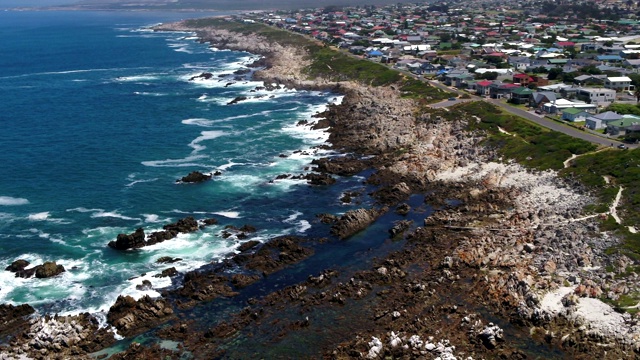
(539,98)
(599,121)
(560,105)
(574,114)
(499,90)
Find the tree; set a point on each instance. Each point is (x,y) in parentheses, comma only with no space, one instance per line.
(637,94)
(554,73)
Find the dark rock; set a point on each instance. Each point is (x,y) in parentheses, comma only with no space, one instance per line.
(399,227)
(167,273)
(134,240)
(48,269)
(403,209)
(241,280)
(203,76)
(17,265)
(237,100)
(132,317)
(354,221)
(194,177)
(167,260)
(283,176)
(186,225)
(320,179)
(327,218)
(204,286)
(343,166)
(160,236)
(146,285)
(241,71)
(246,246)
(217,173)
(210,221)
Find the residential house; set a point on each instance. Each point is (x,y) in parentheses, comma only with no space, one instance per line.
(634,63)
(597,96)
(500,90)
(619,127)
(574,114)
(539,98)
(589,79)
(482,87)
(599,121)
(521,95)
(618,83)
(561,104)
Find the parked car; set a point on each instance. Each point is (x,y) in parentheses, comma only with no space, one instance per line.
(622,146)
(452,99)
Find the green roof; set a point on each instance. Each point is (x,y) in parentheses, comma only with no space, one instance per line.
(627,120)
(558,61)
(572,111)
(522,90)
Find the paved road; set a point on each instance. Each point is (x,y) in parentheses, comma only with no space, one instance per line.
(540,120)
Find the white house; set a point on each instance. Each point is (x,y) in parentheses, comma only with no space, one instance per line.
(596,96)
(618,83)
(574,114)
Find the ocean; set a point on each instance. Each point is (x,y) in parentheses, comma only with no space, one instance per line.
(99,119)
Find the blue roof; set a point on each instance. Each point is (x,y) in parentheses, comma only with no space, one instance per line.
(609,57)
(375,53)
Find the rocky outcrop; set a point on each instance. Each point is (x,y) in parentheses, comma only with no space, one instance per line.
(354,221)
(320,179)
(276,254)
(186,225)
(133,317)
(202,76)
(49,269)
(46,270)
(134,240)
(237,100)
(137,239)
(195,177)
(59,337)
(343,166)
(17,265)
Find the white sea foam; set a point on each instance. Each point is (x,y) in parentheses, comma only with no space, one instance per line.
(204,136)
(112,214)
(137,78)
(12,201)
(42,216)
(188,161)
(140,181)
(153,218)
(303,226)
(198,122)
(144,93)
(229,214)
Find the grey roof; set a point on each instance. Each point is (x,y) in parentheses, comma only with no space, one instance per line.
(608,116)
(540,95)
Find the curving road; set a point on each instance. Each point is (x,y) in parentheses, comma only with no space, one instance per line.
(540,120)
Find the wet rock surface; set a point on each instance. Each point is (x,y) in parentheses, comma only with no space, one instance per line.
(131,317)
(195,177)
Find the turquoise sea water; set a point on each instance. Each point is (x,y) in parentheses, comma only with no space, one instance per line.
(98,121)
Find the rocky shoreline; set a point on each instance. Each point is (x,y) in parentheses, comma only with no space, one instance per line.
(506,255)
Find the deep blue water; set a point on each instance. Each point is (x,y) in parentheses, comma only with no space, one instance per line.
(98,121)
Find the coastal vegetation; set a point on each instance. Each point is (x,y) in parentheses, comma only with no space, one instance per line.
(330,63)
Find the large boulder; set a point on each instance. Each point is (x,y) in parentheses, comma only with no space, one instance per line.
(195,177)
(48,269)
(17,265)
(354,221)
(134,240)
